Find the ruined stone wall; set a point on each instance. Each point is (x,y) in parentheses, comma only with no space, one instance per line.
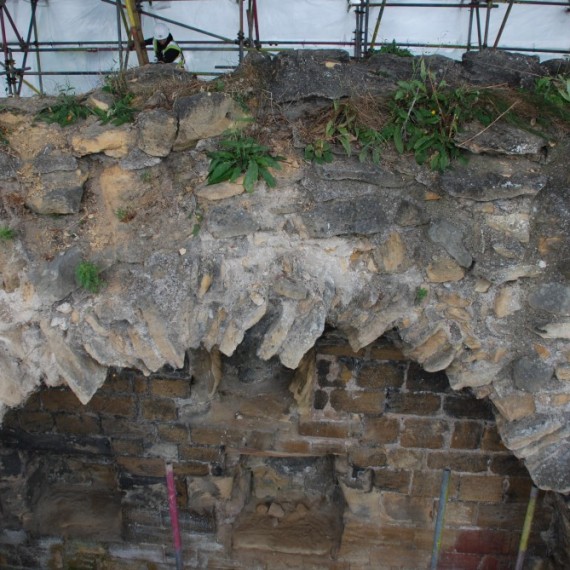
(336,466)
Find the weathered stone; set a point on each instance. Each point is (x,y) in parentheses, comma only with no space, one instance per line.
(100,100)
(137,160)
(204,115)
(8,166)
(410,214)
(226,221)
(444,270)
(493,67)
(558,329)
(515,406)
(515,225)
(563,372)
(507,301)
(500,138)
(530,374)
(96,138)
(450,237)
(60,193)
(220,191)
(365,216)
(550,468)
(157,132)
(503,272)
(485,179)
(553,298)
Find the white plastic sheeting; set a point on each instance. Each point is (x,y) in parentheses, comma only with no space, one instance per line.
(303,21)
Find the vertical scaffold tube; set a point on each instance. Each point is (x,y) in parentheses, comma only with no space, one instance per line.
(174,515)
(526,527)
(440,519)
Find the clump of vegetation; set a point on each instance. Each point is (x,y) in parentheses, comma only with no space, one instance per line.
(119,113)
(116,84)
(556,90)
(198,217)
(66,111)
(423,117)
(421,294)
(7,233)
(240,154)
(394,49)
(87,275)
(145,176)
(125,214)
(353,125)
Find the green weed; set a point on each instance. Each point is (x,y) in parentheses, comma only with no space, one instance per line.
(7,233)
(116,84)
(319,151)
(146,176)
(394,49)
(239,155)
(426,116)
(198,216)
(120,112)
(66,111)
(87,275)
(125,214)
(421,294)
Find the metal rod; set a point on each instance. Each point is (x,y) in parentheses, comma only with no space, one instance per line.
(487,21)
(470,31)
(366,23)
(256,22)
(526,527)
(478,18)
(7,58)
(240,33)
(120,36)
(173,508)
(444,492)
(38,59)
(26,52)
(377,27)
(503,23)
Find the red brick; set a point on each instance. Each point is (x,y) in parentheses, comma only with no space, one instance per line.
(518,489)
(395,480)
(458,461)
(386,352)
(501,516)
(35,421)
(159,410)
(293,447)
(173,433)
(468,407)
(170,388)
(191,469)
(491,440)
(125,428)
(508,465)
(413,403)
(364,457)
(127,446)
(401,508)
(458,560)
(60,400)
(339,350)
(144,466)
(381,430)
(484,489)
(418,380)
(375,375)
(423,433)
(370,403)
(80,425)
(467,435)
(203,454)
(115,383)
(398,557)
(428,484)
(112,405)
(218,436)
(484,542)
(324,429)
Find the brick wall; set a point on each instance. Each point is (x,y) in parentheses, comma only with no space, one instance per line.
(83,486)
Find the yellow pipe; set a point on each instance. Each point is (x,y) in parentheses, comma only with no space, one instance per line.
(136,32)
(526,527)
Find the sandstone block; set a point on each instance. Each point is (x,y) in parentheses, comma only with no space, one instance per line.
(115,142)
(457,461)
(413,403)
(157,132)
(515,406)
(325,429)
(381,430)
(423,433)
(170,388)
(159,409)
(406,459)
(444,270)
(378,375)
(370,403)
(467,435)
(486,489)
(396,480)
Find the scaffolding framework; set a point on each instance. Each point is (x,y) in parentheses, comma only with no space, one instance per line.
(131,13)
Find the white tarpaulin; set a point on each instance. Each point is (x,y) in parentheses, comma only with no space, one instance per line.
(303,21)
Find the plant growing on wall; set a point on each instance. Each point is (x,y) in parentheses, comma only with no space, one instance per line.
(240,154)
(87,275)
(66,111)
(6,233)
